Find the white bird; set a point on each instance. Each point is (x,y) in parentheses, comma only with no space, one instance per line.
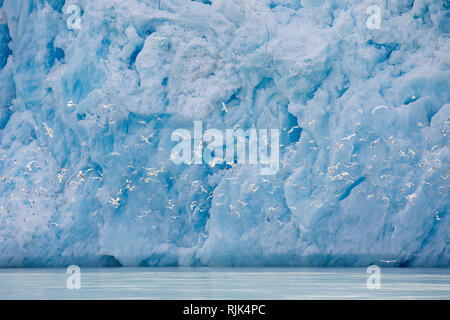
(224,107)
(29,165)
(292,129)
(378,108)
(70,104)
(233,209)
(115,202)
(411,197)
(374,142)
(143,138)
(129,186)
(244,204)
(143,123)
(198,183)
(349,137)
(81,175)
(48,129)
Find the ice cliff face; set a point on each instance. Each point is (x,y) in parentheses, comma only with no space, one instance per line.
(87,111)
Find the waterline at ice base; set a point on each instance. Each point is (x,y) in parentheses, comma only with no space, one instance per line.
(356,94)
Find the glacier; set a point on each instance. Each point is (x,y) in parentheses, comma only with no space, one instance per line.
(86,116)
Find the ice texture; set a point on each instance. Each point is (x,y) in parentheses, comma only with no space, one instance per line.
(86,117)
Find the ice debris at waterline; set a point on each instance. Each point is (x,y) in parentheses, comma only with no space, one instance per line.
(92,90)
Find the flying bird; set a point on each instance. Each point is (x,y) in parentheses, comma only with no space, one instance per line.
(378,108)
(224,107)
(48,129)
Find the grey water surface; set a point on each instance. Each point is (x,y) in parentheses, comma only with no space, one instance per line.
(225,283)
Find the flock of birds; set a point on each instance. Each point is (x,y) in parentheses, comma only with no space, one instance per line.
(339,172)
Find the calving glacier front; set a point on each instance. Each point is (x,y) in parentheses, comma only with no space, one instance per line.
(358,90)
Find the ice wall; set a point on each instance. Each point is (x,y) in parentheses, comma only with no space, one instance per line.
(86,116)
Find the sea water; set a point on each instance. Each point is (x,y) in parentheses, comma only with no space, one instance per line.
(225,283)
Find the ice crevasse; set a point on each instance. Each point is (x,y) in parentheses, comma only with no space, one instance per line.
(86,116)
